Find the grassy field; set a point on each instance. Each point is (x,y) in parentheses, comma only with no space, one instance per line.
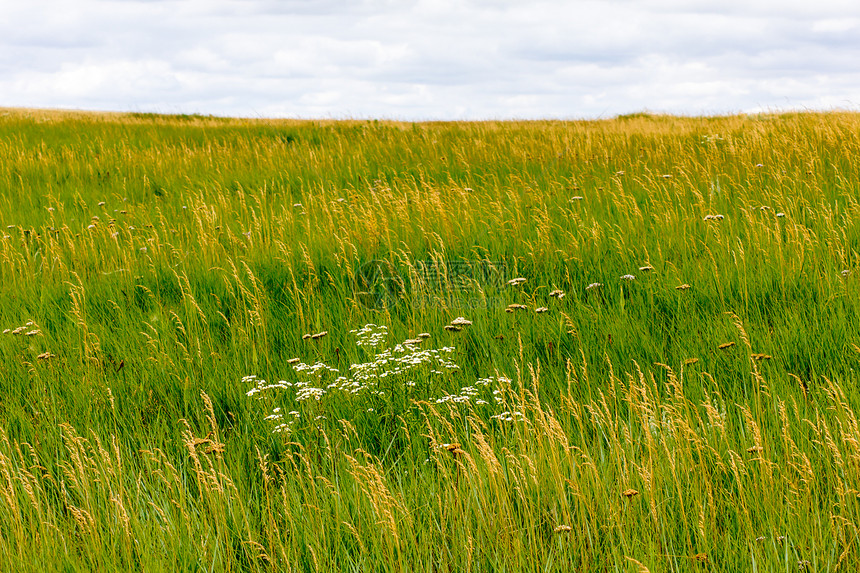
(235,345)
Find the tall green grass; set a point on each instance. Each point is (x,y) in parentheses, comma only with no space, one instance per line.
(158,261)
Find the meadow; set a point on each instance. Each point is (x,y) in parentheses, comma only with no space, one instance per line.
(258,345)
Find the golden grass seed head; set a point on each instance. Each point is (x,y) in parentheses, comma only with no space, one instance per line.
(690,361)
(629,493)
(646,269)
(726,345)
(684,286)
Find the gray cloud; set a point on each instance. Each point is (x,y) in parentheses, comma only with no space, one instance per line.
(430,59)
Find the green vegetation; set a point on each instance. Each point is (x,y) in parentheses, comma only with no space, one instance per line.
(159,275)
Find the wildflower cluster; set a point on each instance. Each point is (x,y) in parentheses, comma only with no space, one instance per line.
(473,393)
(457,324)
(283,424)
(370,335)
(402,361)
(29,329)
(510,417)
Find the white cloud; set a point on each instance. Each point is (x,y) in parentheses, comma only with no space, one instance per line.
(425,59)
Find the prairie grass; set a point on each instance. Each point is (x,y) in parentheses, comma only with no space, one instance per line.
(672,388)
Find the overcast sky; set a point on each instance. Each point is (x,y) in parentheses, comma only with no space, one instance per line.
(433,59)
